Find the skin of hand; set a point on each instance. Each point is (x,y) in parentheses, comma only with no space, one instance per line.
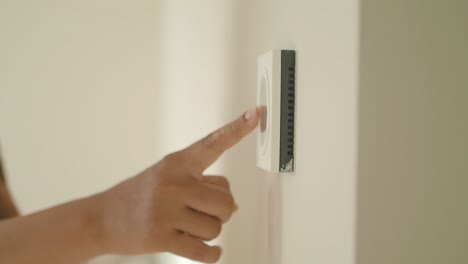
(170,207)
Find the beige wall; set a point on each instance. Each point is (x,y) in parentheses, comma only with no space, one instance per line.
(78,91)
(413,145)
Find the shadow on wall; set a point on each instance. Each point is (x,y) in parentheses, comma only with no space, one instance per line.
(253,236)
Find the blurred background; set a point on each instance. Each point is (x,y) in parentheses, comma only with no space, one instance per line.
(93,92)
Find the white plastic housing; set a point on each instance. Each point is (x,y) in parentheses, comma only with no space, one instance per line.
(269,102)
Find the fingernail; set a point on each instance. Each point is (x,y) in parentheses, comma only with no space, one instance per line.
(236,207)
(250,113)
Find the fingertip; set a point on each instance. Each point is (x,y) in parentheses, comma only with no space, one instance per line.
(251,113)
(250,118)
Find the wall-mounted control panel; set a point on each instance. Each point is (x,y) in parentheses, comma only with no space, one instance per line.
(276,101)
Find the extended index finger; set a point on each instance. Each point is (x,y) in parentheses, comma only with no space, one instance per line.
(206,151)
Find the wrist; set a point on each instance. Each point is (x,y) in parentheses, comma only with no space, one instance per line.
(93,224)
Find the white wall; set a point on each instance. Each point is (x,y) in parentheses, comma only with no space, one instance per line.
(307,217)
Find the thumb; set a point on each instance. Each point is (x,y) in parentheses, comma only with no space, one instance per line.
(220,182)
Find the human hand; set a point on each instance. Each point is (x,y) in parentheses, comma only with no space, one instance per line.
(172,206)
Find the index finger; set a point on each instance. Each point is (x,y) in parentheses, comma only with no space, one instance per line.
(207,150)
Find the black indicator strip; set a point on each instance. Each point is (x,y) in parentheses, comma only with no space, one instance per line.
(288,99)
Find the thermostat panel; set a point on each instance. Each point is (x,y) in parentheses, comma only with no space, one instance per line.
(276,103)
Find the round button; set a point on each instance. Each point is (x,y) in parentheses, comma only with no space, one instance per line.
(263,109)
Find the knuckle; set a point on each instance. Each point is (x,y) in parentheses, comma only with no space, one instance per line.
(234,129)
(167,188)
(227,205)
(166,162)
(215,230)
(171,158)
(223,181)
(211,140)
(229,200)
(234,126)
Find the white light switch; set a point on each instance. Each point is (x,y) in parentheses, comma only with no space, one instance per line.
(276,101)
